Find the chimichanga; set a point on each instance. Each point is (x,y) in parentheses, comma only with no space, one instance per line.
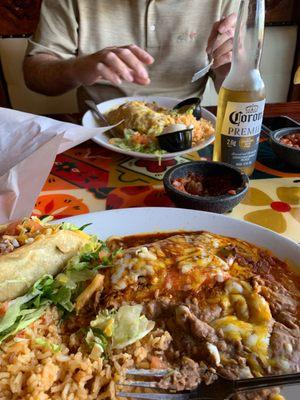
(138,116)
(45,251)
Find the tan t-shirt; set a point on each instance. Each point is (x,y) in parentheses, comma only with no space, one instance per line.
(174,32)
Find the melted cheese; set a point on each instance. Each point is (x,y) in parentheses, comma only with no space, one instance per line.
(213,350)
(249,318)
(176,263)
(197,262)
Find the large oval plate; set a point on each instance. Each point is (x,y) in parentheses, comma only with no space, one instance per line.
(90,121)
(142,220)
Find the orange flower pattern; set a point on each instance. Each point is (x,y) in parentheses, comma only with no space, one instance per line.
(59,206)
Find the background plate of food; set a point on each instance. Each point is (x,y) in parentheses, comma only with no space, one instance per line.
(191,292)
(146,118)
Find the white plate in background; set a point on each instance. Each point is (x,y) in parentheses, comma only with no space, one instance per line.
(90,121)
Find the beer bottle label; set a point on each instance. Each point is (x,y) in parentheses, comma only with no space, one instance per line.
(240,132)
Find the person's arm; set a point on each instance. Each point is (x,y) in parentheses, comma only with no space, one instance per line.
(220,46)
(49,75)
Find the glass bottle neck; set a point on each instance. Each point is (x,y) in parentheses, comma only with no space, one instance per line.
(249,34)
(247,48)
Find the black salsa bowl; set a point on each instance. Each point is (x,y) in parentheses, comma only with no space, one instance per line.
(207,169)
(290,155)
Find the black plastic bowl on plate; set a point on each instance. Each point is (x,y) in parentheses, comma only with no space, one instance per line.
(217,204)
(288,154)
(176,141)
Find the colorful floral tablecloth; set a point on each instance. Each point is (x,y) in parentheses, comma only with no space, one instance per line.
(90,178)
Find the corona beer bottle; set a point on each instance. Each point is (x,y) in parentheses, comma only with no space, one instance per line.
(242,95)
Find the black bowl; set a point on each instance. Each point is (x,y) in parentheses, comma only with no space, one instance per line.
(217,204)
(286,153)
(176,141)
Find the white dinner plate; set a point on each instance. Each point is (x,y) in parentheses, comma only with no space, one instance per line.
(130,221)
(90,121)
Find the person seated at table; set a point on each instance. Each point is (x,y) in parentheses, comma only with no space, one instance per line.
(115,48)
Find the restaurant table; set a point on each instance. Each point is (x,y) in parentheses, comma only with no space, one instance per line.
(90,178)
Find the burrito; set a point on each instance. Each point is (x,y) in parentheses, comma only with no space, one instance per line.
(140,117)
(33,248)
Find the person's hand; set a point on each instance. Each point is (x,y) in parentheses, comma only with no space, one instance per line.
(220,44)
(114,64)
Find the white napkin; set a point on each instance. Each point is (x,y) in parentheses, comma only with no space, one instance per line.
(28,146)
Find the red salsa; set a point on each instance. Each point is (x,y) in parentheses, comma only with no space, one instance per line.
(200,185)
(292,140)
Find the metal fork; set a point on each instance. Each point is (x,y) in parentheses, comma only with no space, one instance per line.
(93,107)
(203,71)
(221,389)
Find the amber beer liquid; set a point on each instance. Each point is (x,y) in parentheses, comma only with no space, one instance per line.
(242,95)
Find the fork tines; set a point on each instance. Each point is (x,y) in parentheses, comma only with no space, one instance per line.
(146,373)
(155,396)
(151,373)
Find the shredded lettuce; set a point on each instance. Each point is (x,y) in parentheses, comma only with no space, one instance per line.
(106,322)
(14,309)
(25,318)
(96,338)
(123,327)
(127,143)
(71,227)
(61,291)
(130,326)
(55,348)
